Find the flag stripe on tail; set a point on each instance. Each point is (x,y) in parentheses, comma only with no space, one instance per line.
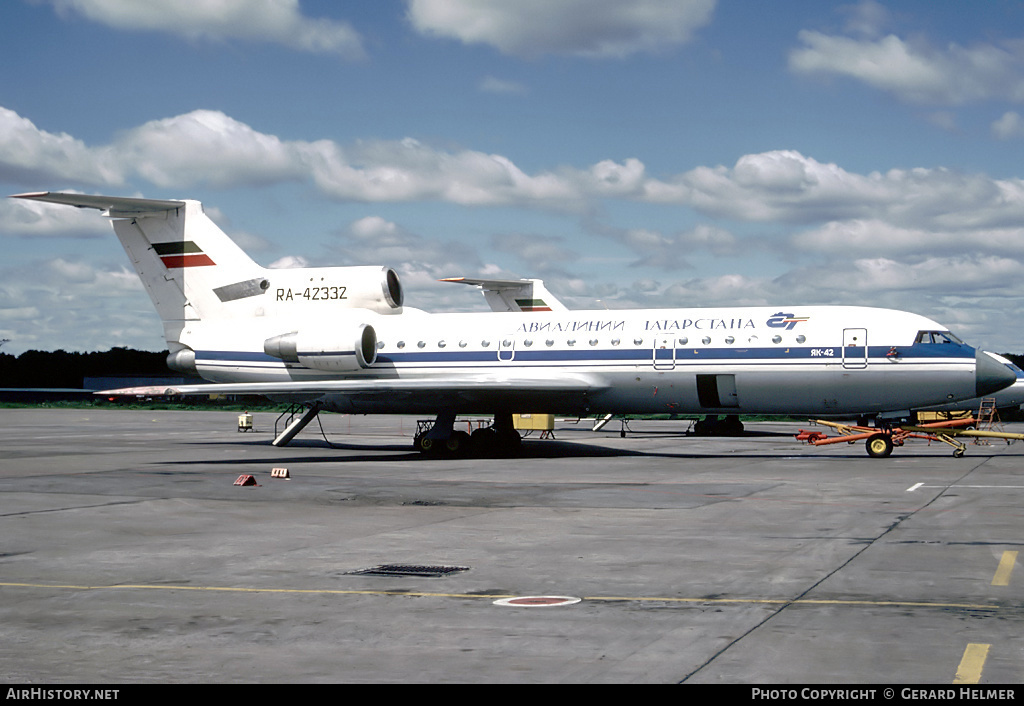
(174,261)
(532,305)
(182,253)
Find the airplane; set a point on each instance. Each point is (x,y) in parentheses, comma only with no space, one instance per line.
(341,339)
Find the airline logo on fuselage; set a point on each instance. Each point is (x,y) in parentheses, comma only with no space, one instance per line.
(182,253)
(786,321)
(708,324)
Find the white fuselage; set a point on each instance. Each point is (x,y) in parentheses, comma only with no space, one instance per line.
(801,360)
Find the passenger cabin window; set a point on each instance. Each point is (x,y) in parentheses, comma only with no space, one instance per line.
(937,337)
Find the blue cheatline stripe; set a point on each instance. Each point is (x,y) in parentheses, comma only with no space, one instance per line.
(467,361)
(878,354)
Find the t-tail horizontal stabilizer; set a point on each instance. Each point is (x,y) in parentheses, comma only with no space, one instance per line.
(514,294)
(113,206)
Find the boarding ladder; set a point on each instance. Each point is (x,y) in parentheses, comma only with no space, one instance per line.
(988,419)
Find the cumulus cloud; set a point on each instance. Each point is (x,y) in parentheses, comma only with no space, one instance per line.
(672,252)
(786,186)
(914,71)
(408,170)
(289,262)
(490,84)
(923,279)
(104,305)
(1009,126)
(209,148)
(34,219)
(28,153)
(866,18)
(544,256)
(420,261)
(870,235)
(877,237)
(275,21)
(590,28)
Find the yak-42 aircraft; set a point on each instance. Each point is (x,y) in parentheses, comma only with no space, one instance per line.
(341,339)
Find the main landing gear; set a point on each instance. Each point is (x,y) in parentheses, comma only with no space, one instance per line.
(442,439)
(713,425)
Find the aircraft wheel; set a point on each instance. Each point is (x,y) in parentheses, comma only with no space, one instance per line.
(732,426)
(458,443)
(958,453)
(879,445)
(705,426)
(510,439)
(506,442)
(424,444)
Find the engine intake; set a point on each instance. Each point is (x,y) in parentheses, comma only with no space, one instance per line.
(331,351)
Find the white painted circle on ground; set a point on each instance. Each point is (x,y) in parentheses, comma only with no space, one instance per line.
(537,601)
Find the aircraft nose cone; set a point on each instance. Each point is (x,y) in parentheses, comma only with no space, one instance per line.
(990,375)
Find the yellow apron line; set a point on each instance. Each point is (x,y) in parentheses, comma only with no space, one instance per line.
(229,589)
(969,671)
(798,602)
(495,596)
(1005,568)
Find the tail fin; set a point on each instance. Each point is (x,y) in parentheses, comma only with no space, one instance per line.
(191,269)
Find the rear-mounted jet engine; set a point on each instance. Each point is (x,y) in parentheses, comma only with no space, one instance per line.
(326,350)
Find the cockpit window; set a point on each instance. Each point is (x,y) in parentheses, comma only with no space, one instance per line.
(937,337)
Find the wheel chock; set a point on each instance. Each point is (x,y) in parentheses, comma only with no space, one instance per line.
(280,473)
(245,480)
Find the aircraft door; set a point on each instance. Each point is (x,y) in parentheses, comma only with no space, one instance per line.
(664,352)
(717,391)
(506,348)
(855,348)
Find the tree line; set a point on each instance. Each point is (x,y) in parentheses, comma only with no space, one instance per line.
(68,369)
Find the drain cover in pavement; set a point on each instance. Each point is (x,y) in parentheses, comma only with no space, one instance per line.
(410,570)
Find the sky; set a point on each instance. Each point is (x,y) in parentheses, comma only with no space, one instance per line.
(630,153)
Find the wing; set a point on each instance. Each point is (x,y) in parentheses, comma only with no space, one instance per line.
(398,393)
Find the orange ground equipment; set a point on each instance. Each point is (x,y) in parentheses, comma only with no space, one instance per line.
(880,441)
